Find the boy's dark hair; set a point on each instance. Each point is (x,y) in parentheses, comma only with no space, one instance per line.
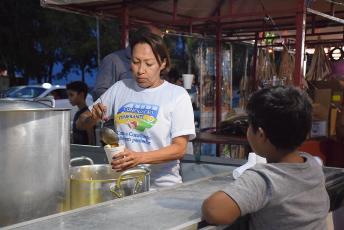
(284,113)
(156,43)
(78,86)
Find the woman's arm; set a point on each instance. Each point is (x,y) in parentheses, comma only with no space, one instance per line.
(129,159)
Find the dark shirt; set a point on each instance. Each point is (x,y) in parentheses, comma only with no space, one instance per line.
(115,67)
(79,136)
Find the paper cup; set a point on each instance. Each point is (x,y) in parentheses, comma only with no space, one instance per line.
(112,151)
(187,80)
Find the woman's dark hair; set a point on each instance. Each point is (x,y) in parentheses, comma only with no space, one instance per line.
(156,43)
(78,86)
(284,113)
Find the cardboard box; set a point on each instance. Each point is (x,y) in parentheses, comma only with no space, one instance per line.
(321,112)
(336,87)
(333,121)
(319,128)
(319,121)
(323,97)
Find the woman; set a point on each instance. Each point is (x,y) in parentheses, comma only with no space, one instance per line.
(154,118)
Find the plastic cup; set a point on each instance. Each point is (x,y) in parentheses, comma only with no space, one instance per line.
(112,151)
(187,80)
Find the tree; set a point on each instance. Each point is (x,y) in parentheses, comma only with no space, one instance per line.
(29,39)
(109,37)
(79,52)
(34,39)
(16,41)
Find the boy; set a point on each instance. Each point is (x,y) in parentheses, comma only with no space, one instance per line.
(77,92)
(289,191)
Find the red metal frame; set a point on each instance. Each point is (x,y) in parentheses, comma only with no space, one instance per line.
(255,55)
(175,4)
(249,37)
(125,26)
(300,42)
(218,18)
(218,76)
(218,73)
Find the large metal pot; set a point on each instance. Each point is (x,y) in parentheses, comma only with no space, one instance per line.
(92,184)
(34,160)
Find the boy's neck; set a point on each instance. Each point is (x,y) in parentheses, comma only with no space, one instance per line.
(293,157)
(289,157)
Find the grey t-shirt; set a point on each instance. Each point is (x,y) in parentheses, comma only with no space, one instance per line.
(283,195)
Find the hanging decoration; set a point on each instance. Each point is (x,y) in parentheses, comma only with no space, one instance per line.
(320,67)
(287,66)
(266,70)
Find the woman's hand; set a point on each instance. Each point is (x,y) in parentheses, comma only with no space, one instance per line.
(99,112)
(129,159)
(126,160)
(89,119)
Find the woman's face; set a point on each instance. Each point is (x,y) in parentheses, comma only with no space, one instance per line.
(145,67)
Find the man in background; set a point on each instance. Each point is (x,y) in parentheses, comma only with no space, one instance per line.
(116,66)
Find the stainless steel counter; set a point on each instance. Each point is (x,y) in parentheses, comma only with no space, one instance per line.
(175,207)
(178,207)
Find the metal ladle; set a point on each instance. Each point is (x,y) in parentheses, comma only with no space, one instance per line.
(107,135)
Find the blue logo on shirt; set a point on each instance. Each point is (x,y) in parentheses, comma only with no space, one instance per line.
(138,116)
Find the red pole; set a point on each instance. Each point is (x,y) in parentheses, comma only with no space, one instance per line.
(230,7)
(175,9)
(125,26)
(218,81)
(218,75)
(254,67)
(300,42)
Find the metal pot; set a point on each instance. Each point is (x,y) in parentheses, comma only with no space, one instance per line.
(34,160)
(92,184)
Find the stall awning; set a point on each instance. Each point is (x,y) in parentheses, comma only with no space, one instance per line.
(235,17)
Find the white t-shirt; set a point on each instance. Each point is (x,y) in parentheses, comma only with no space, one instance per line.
(148,119)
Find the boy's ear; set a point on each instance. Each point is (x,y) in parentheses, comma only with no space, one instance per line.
(261,133)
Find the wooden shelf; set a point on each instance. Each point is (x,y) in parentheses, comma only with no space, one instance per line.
(206,137)
(220,139)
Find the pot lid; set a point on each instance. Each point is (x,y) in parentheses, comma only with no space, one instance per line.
(10,104)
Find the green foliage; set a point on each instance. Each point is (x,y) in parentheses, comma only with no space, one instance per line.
(110,39)
(34,39)
(17,35)
(79,48)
